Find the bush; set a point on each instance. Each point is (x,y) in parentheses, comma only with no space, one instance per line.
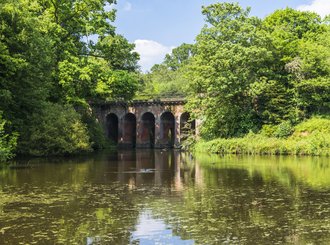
(268,130)
(283,130)
(315,142)
(97,137)
(7,142)
(58,130)
(313,125)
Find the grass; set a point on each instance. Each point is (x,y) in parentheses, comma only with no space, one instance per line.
(311,137)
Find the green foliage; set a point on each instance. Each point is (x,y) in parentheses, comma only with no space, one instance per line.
(272,100)
(168,79)
(57,130)
(25,61)
(7,142)
(119,85)
(268,130)
(313,96)
(47,61)
(222,70)
(162,82)
(247,72)
(117,52)
(179,57)
(283,130)
(95,131)
(311,137)
(314,125)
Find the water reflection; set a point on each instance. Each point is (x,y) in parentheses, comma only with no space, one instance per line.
(154,231)
(166,197)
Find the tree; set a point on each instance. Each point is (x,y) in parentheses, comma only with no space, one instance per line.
(81,64)
(168,79)
(46,58)
(231,54)
(247,72)
(179,56)
(26,64)
(57,130)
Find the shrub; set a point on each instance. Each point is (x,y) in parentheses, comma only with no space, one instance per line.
(315,142)
(268,130)
(283,130)
(58,130)
(97,137)
(7,142)
(313,125)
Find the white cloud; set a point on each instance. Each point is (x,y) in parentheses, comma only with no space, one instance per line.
(128,7)
(151,52)
(322,7)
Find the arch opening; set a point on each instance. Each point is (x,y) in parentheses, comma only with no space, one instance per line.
(167,129)
(187,126)
(148,130)
(112,127)
(129,130)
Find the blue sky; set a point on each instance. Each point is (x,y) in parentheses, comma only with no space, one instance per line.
(157,26)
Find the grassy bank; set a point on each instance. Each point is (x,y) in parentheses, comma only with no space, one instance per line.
(311,137)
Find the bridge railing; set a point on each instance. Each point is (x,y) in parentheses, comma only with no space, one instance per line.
(173,100)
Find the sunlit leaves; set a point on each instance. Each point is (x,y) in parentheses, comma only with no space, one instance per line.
(7,142)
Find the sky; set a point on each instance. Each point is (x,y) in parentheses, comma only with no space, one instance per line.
(158,26)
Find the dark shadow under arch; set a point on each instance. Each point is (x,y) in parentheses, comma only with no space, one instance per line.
(167,129)
(129,130)
(148,129)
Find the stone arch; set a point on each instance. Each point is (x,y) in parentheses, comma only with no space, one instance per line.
(167,129)
(129,130)
(147,130)
(112,127)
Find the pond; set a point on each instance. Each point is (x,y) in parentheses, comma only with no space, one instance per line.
(166,197)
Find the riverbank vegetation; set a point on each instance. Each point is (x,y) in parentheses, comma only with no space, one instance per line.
(311,137)
(253,82)
(55,58)
(249,80)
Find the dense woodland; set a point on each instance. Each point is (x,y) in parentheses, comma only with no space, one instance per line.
(243,77)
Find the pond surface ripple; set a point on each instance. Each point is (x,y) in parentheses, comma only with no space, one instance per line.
(166,197)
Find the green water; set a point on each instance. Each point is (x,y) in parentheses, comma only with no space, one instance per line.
(166,197)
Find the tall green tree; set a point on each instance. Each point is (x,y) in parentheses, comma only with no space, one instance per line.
(248,72)
(179,56)
(297,56)
(168,79)
(47,59)
(26,61)
(231,54)
(72,24)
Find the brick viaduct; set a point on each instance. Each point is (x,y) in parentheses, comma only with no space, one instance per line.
(145,124)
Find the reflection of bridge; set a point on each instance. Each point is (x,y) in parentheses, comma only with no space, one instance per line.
(170,168)
(145,124)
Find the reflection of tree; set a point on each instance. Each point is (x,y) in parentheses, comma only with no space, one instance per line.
(238,205)
(108,217)
(64,204)
(241,200)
